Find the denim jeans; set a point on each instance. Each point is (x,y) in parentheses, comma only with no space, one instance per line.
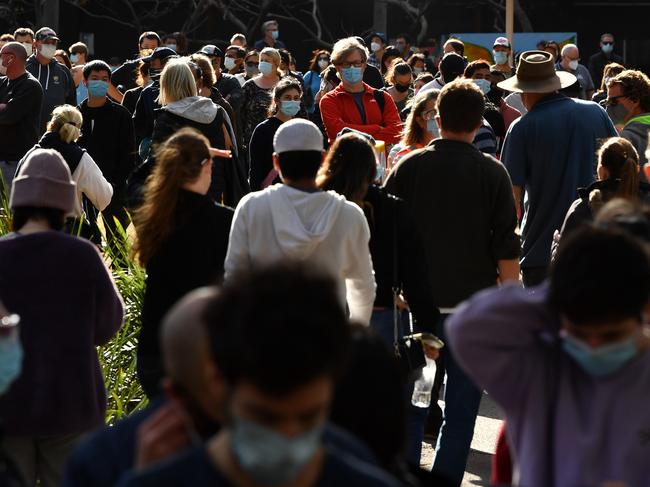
(462,400)
(382,323)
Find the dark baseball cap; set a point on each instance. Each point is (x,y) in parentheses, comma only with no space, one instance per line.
(45,33)
(211,50)
(161,53)
(381,35)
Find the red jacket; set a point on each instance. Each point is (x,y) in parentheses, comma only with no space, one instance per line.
(339,110)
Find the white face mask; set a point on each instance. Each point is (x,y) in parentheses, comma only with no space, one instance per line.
(322,64)
(573,65)
(229,63)
(28,47)
(47,51)
(375,46)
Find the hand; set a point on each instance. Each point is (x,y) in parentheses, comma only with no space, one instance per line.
(162,435)
(225,154)
(431,353)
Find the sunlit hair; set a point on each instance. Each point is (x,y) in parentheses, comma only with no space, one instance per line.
(66,120)
(176,82)
(349,167)
(179,160)
(413,133)
(344,47)
(202,61)
(621,160)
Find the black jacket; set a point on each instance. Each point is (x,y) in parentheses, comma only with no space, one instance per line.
(191,257)
(462,204)
(58,87)
(398,257)
(588,203)
(20,119)
(260,152)
(131,98)
(107,134)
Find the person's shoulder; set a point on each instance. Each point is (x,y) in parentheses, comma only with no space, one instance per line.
(340,469)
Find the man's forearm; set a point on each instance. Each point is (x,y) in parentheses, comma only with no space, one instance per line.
(508,270)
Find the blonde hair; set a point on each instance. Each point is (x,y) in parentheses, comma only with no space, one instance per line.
(413,133)
(176,82)
(344,47)
(274,54)
(203,62)
(66,120)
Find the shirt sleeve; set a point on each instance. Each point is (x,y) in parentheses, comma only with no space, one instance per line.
(237,256)
(27,95)
(360,278)
(513,155)
(92,183)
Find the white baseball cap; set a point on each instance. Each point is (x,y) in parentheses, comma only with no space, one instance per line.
(502,41)
(298,135)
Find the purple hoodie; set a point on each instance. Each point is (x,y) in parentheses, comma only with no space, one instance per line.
(597,429)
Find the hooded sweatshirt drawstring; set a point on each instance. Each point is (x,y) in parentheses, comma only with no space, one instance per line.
(47,81)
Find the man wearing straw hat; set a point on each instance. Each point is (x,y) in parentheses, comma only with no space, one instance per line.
(549,153)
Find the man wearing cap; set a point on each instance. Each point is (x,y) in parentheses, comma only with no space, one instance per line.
(21,97)
(602,58)
(226,83)
(56,79)
(501,53)
(377,47)
(451,67)
(570,62)
(143,117)
(549,153)
(297,221)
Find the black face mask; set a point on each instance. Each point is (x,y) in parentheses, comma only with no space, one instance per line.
(402,88)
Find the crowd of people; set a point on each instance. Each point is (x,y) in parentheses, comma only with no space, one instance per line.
(311,241)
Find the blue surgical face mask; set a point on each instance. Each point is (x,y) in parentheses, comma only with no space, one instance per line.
(500,57)
(432,128)
(607,48)
(275,34)
(289,107)
(74,58)
(265,67)
(97,88)
(352,74)
(268,457)
(483,84)
(173,47)
(601,361)
(11,359)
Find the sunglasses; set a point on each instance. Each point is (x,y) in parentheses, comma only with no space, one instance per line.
(608,43)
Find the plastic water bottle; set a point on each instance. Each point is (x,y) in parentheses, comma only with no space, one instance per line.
(421,397)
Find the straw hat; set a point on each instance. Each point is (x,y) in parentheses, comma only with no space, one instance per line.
(536,74)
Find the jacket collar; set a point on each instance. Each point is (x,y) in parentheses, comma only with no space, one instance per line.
(340,89)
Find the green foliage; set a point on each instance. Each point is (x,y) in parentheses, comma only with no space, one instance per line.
(117,358)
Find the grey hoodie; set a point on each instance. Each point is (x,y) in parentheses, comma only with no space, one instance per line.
(203,110)
(58,86)
(322,228)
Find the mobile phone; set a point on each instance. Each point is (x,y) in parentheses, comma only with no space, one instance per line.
(429,339)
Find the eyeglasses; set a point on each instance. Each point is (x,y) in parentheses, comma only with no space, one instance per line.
(612,101)
(356,64)
(429,114)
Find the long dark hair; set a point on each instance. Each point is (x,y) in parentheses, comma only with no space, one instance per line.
(619,157)
(313,63)
(178,160)
(349,167)
(285,84)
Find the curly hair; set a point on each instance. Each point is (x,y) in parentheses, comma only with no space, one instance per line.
(635,85)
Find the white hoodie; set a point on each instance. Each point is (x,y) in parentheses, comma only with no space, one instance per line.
(322,228)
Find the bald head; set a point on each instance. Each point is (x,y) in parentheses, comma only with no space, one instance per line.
(184,339)
(16,49)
